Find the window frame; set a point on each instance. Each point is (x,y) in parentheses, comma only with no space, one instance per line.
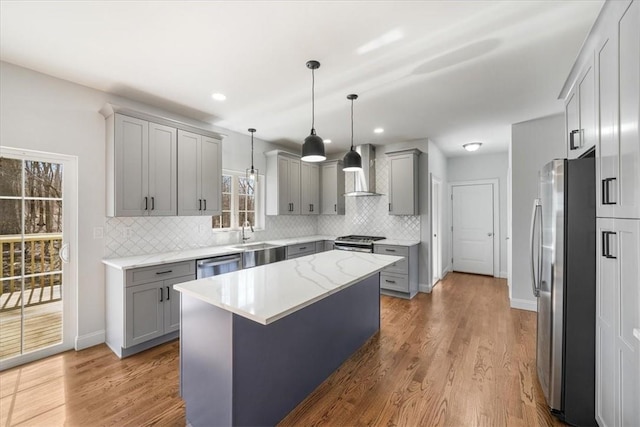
(235,201)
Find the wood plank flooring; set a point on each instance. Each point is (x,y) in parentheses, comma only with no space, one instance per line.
(456,357)
(42,328)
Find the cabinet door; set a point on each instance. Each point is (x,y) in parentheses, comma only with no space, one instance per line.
(132,166)
(618,314)
(163,170)
(310,189)
(189,199)
(144,316)
(294,186)
(211,167)
(607,147)
(284,202)
(329,200)
(629,103)
(172,304)
(587,107)
(572,116)
(401,185)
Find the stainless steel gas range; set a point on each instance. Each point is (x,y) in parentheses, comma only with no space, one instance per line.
(356,243)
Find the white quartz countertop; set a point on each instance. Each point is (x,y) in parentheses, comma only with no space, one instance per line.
(270,292)
(397,242)
(148,260)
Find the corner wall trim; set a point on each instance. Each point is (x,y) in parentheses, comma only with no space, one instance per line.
(89,340)
(524,304)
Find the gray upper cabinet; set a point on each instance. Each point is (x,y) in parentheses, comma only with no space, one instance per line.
(199,174)
(141,167)
(160,167)
(332,200)
(580,109)
(283,183)
(310,189)
(403,182)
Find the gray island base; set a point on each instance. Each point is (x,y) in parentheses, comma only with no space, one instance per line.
(235,371)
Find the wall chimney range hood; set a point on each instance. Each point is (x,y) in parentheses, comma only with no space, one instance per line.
(365,179)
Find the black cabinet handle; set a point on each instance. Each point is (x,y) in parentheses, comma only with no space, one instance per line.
(164,272)
(199,204)
(605,244)
(389,207)
(335,208)
(168,293)
(572,141)
(153,203)
(146,203)
(205,204)
(302,248)
(606,193)
(161,295)
(389,250)
(389,281)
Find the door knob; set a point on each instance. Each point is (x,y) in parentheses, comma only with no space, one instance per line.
(489,234)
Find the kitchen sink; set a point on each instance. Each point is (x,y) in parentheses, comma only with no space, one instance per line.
(256,246)
(256,254)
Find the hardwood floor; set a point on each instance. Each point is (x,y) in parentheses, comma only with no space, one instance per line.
(456,357)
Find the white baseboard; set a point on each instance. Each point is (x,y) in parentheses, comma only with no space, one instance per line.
(423,287)
(89,340)
(524,304)
(503,275)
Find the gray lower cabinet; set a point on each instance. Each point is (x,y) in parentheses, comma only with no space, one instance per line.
(401,278)
(300,250)
(143,310)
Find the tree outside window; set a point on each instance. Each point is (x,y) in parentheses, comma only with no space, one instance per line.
(238,202)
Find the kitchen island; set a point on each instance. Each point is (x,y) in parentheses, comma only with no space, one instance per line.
(254,343)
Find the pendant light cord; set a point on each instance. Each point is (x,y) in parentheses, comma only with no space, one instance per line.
(251,150)
(352,125)
(313,98)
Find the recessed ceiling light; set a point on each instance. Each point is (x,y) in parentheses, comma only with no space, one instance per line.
(326,141)
(378,130)
(472,146)
(219,96)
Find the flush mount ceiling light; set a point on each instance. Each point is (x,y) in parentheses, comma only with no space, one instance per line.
(326,141)
(252,173)
(313,147)
(219,96)
(472,146)
(352,161)
(378,130)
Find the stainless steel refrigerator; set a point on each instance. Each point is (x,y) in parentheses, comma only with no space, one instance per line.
(563,257)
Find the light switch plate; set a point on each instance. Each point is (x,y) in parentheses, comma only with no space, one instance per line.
(98,232)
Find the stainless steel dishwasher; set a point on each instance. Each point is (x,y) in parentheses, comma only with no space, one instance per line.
(215,266)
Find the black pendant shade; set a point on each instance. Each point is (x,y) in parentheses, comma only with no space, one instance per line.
(352,161)
(313,147)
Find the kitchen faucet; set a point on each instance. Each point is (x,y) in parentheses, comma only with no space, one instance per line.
(244,224)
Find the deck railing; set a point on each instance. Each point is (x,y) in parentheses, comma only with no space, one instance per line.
(42,276)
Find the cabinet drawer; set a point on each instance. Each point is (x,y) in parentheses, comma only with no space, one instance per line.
(294,251)
(160,272)
(394,282)
(320,246)
(399,267)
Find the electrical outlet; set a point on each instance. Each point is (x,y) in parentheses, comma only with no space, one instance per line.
(98,232)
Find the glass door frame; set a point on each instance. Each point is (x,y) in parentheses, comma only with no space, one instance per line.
(70,239)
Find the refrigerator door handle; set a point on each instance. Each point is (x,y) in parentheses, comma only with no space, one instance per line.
(534,217)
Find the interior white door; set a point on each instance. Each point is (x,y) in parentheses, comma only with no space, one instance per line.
(436,246)
(473,234)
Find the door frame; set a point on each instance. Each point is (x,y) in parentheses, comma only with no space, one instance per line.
(495,183)
(436,270)
(70,237)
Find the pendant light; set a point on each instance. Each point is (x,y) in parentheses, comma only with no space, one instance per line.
(252,173)
(352,161)
(313,147)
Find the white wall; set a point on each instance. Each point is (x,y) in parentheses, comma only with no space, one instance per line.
(436,165)
(42,113)
(486,166)
(533,144)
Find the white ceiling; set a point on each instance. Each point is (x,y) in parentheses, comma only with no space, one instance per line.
(453,71)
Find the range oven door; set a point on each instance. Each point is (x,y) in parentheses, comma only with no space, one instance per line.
(344,246)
